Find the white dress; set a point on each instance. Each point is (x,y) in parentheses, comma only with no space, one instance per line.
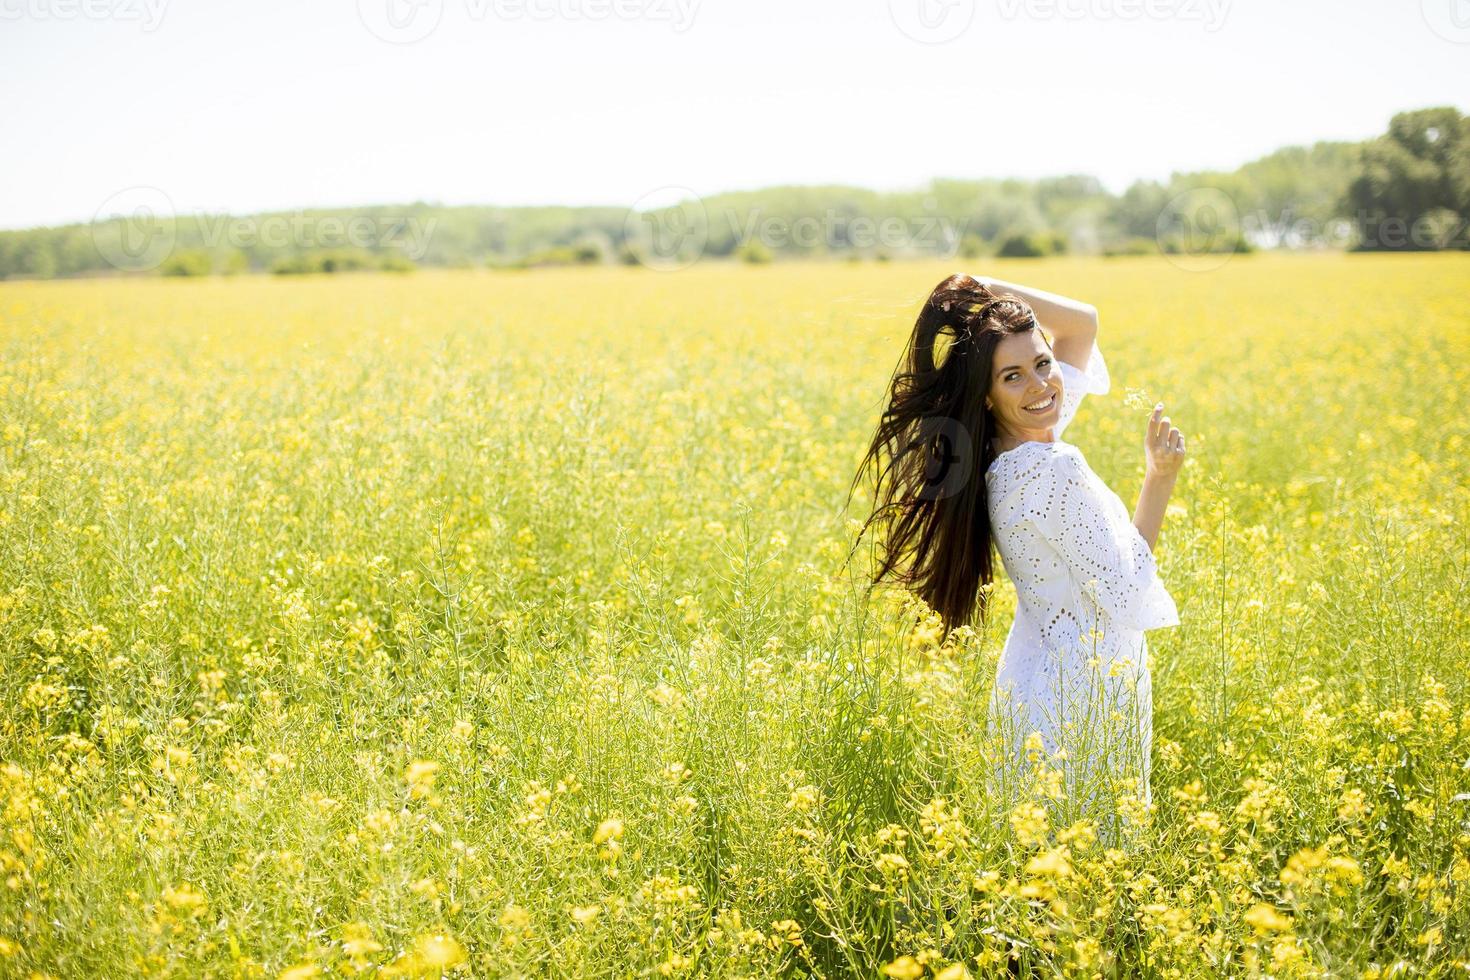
(1074,667)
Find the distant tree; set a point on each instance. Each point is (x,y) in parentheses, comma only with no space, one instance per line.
(234,262)
(972,247)
(1233,242)
(343,260)
(754,252)
(291,265)
(587,253)
(186,262)
(1135,245)
(1136,213)
(1415,182)
(327,261)
(36,258)
(1023,245)
(1293,197)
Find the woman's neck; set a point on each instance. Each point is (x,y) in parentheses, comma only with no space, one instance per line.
(1006,441)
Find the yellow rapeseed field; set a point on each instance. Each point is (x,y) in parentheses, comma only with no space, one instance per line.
(495,624)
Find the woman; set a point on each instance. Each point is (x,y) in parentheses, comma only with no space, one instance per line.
(970,454)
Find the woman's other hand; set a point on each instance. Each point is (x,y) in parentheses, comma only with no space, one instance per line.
(1163,446)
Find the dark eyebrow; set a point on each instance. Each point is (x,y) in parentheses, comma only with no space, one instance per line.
(1017,367)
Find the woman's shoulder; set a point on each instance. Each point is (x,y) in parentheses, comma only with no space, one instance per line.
(1034,482)
(1033,467)
(1031,457)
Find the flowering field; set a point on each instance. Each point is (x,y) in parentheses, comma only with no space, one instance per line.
(496,624)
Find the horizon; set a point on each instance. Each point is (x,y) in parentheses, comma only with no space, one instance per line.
(666,199)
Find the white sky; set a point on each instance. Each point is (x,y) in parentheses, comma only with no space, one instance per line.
(247,105)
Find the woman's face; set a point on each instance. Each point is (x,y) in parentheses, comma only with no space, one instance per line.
(1025,386)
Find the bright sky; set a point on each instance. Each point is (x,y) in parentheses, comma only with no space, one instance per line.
(248,105)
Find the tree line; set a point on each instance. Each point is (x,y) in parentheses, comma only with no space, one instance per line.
(1405,190)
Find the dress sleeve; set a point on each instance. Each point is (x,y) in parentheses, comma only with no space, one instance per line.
(1104,553)
(1077,383)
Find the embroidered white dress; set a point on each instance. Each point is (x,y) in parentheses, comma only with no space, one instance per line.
(1074,667)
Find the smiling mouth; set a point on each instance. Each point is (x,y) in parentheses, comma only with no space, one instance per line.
(1041,406)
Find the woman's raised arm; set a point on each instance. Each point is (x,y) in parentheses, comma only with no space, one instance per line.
(1071,323)
(1164,455)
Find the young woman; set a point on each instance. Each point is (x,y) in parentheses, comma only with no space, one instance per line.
(970,455)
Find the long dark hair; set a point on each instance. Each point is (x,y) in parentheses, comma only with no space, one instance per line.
(933,446)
